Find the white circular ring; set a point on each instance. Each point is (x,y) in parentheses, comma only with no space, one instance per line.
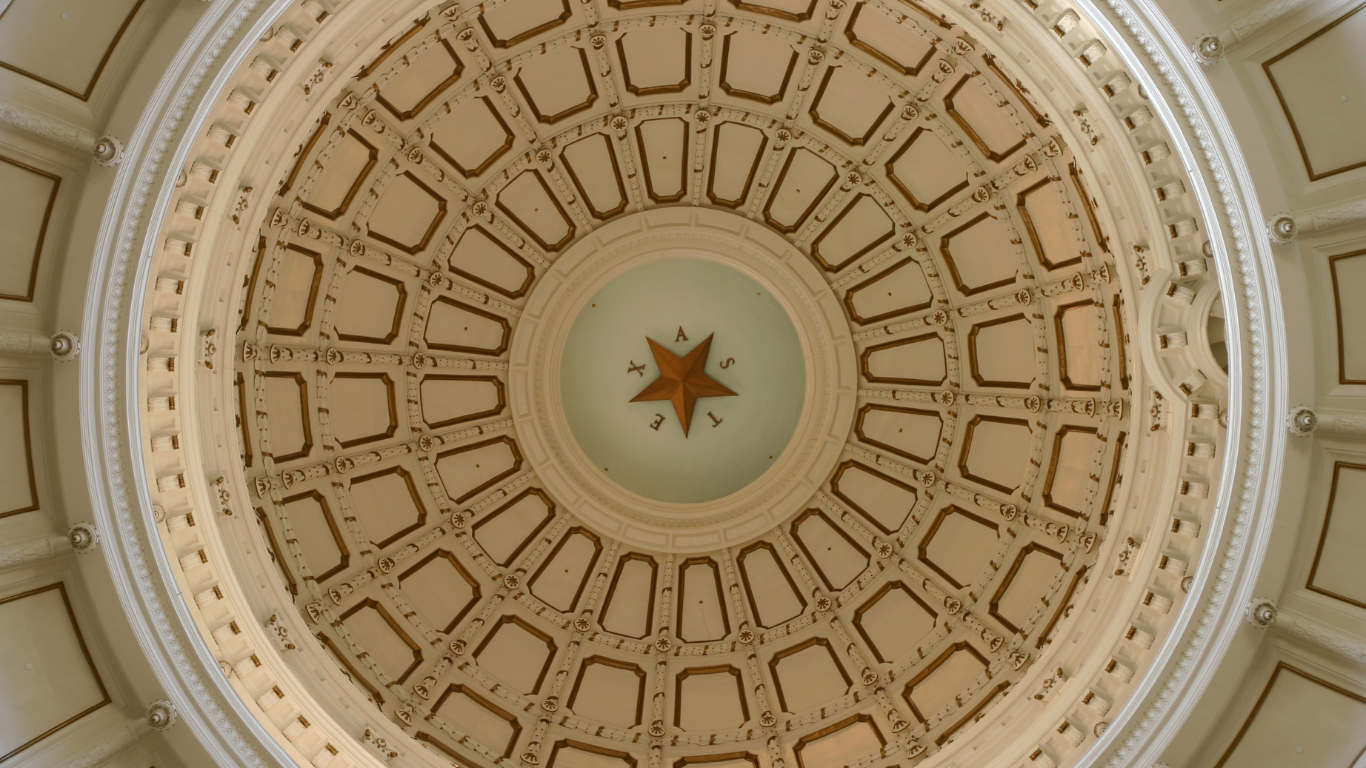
(827,412)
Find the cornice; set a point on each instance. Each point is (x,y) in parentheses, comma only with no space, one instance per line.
(119,498)
(1247,497)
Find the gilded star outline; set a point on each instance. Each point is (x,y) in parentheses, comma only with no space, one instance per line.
(682,380)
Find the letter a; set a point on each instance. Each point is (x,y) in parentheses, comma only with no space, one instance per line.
(681,335)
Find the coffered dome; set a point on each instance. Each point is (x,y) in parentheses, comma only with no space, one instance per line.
(983,460)
(753,383)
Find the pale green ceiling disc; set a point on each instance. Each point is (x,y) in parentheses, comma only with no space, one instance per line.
(732,440)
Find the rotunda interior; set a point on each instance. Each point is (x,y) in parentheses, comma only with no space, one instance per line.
(749,383)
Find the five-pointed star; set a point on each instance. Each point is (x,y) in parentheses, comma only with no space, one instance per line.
(682,380)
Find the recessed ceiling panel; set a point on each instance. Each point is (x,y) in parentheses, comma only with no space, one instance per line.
(1080,328)
(857,230)
(848,742)
(835,556)
(996,451)
(802,183)
(850,105)
(568,753)
(318,532)
(385,642)
(1299,717)
(506,531)
(737,150)
(419,78)
(884,501)
(441,589)
(31,195)
(926,171)
(476,467)
(756,66)
(363,409)
(517,654)
(407,214)
(980,254)
(1068,487)
(629,606)
(289,414)
(1342,541)
(911,433)
(609,691)
(934,691)
(1021,594)
(561,580)
(895,40)
(1001,352)
(913,360)
(773,595)
(591,163)
(370,308)
(90,33)
(808,675)
(655,59)
(898,290)
(458,327)
(516,21)
(18,483)
(663,146)
(702,615)
(531,205)
(472,137)
(558,84)
(448,399)
(488,262)
(387,505)
(50,680)
(1348,273)
(346,166)
(1319,84)
(710,699)
(480,717)
(894,621)
(298,274)
(958,545)
(1049,223)
(978,113)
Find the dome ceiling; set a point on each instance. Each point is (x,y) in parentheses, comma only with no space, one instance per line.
(937,557)
(941,543)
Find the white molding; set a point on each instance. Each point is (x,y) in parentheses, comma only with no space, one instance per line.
(51,130)
(1247,497)
(33,551)
(140,573)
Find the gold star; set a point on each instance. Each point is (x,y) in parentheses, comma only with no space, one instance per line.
(682,380)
